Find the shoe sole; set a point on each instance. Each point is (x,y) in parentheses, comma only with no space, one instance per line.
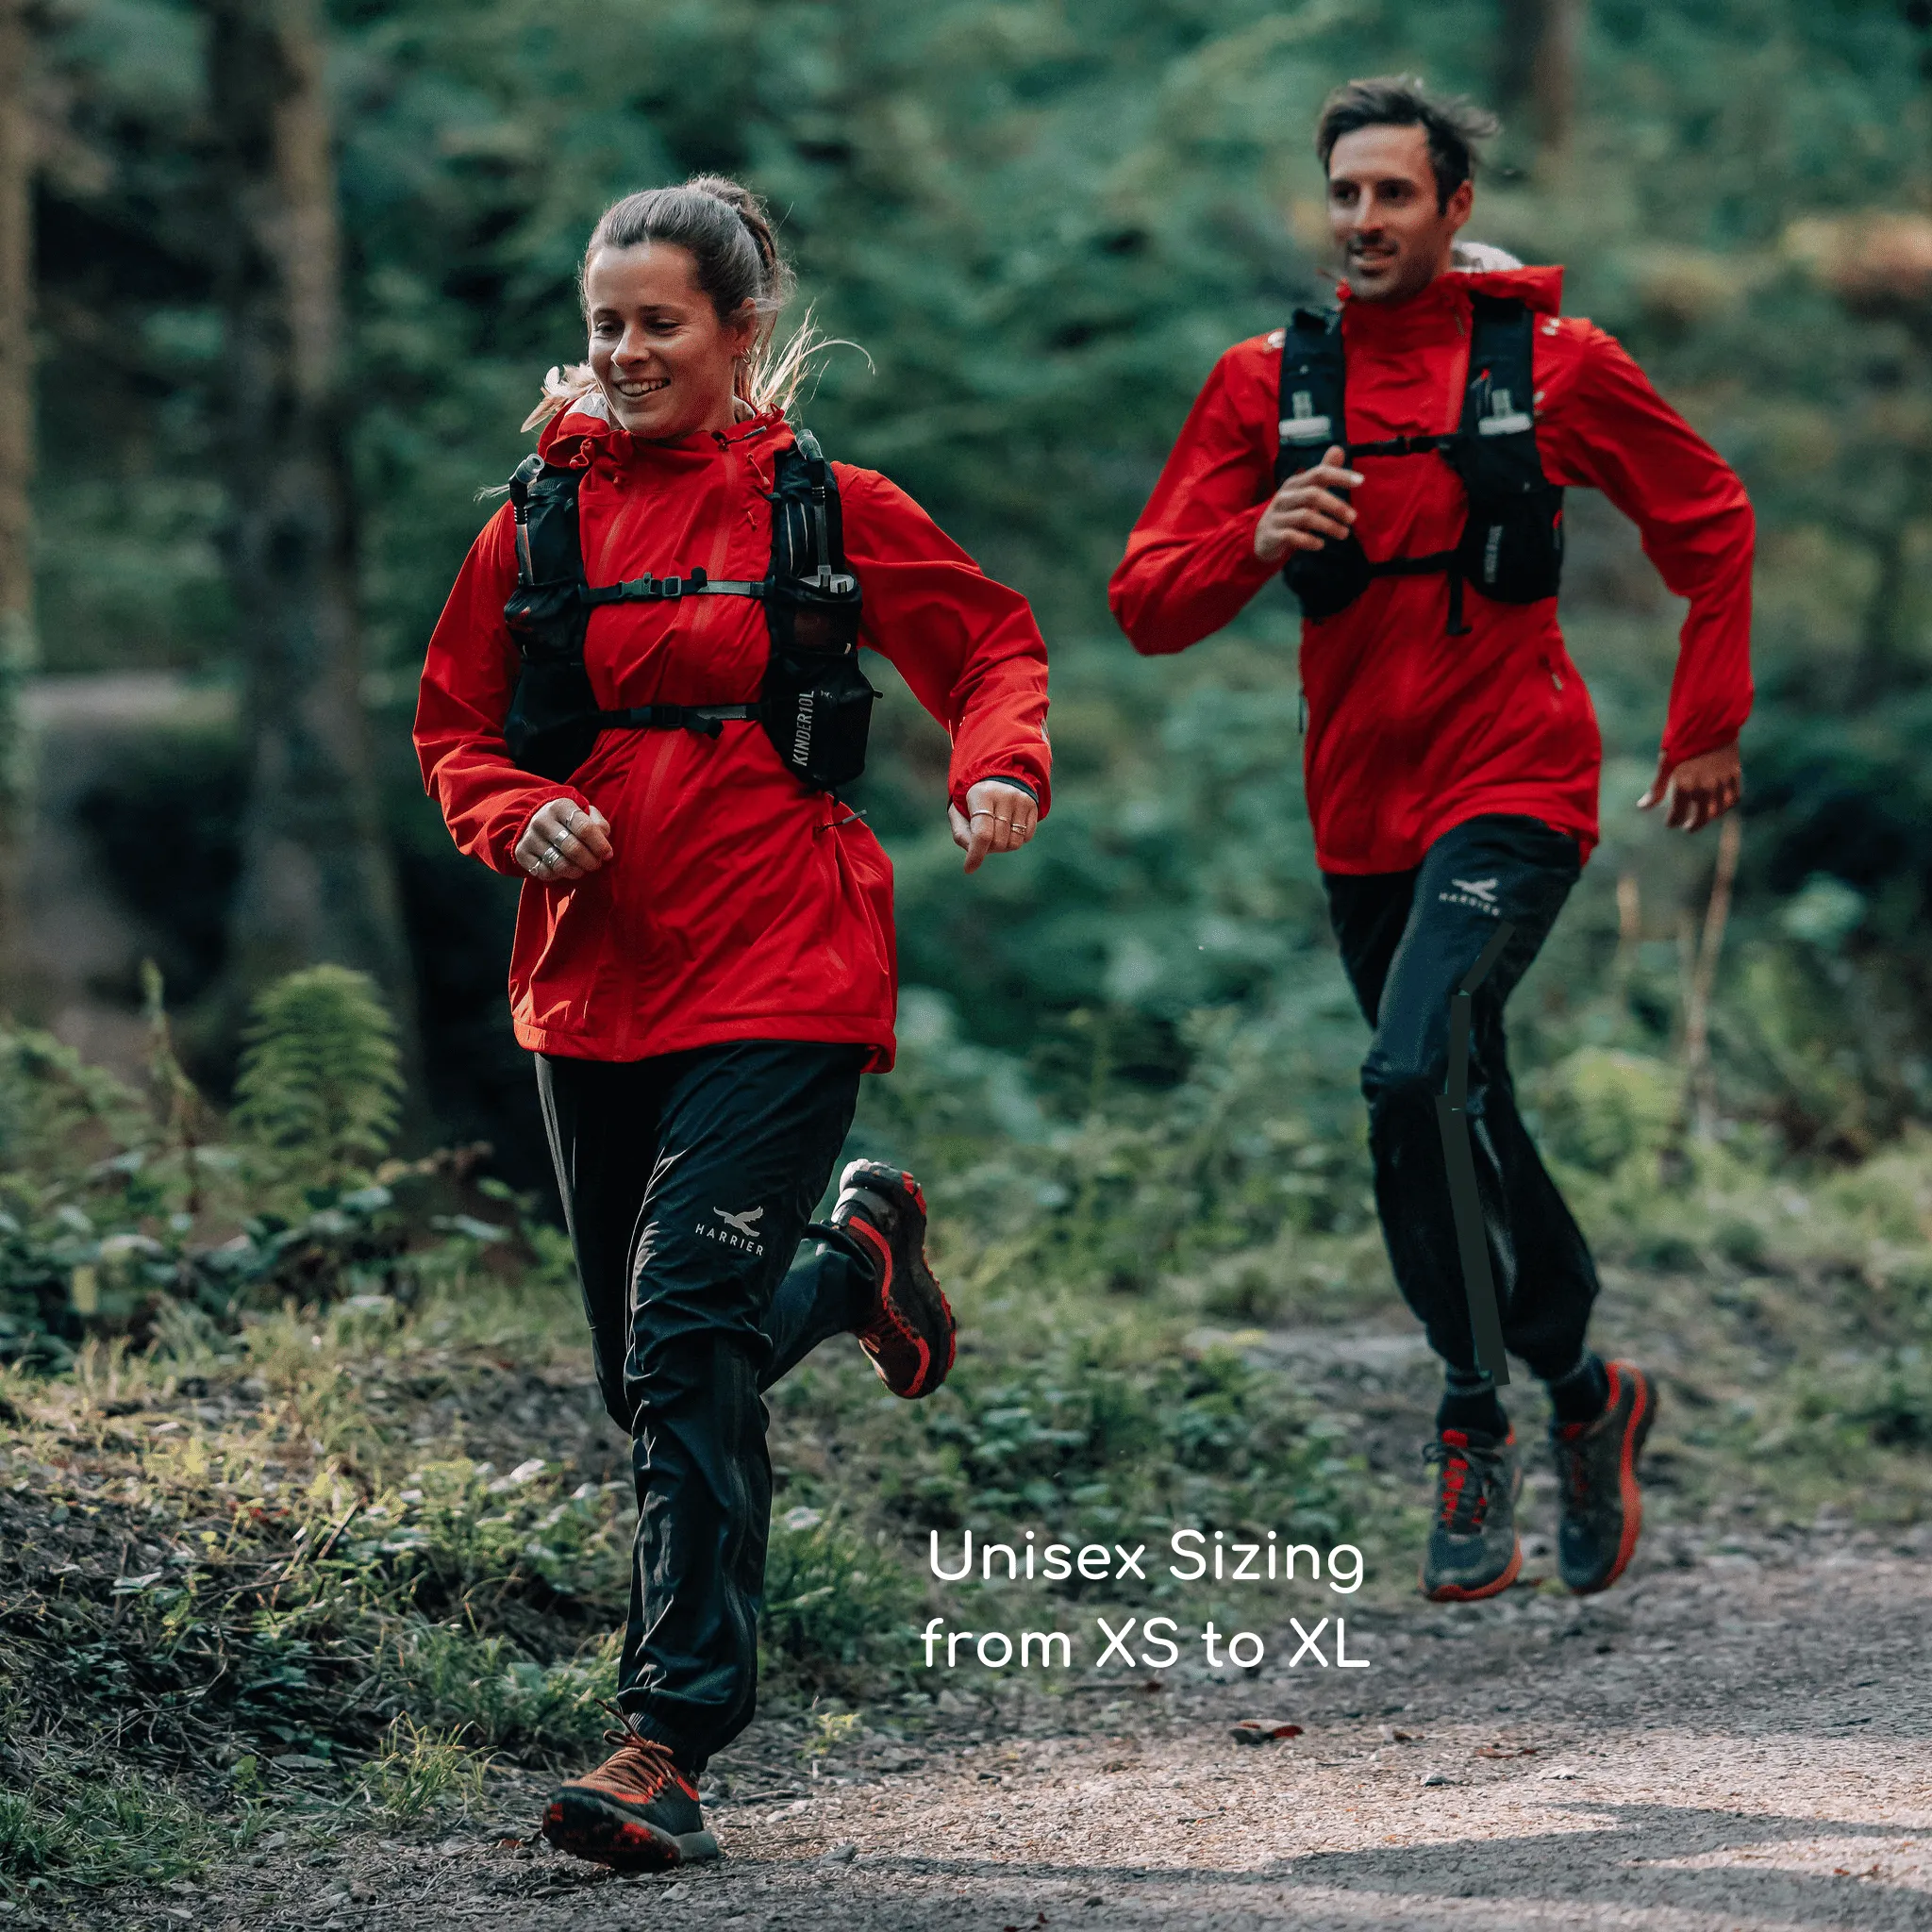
(1634,1431)
(602,1832)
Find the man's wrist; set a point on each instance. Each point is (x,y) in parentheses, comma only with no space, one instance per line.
(1256,563)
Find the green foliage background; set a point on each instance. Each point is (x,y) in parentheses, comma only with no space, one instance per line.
(1043,220)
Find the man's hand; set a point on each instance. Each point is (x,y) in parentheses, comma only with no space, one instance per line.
(998,818)
(1305,511)
(1700,789)
(564,841)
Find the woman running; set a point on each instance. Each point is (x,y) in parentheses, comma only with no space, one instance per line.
(704,963)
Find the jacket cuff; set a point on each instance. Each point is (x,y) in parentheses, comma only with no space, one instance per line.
(1035,786)
(1008,779)
(1694,744)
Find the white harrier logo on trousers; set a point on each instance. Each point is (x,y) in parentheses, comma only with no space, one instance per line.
(1479,895)
(740,1231)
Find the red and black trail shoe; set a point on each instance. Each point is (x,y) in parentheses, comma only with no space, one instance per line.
(1472,1550)
(636,1813)
(911,1337)
(1596,1471)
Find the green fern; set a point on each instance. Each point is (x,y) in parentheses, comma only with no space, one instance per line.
(321,1077)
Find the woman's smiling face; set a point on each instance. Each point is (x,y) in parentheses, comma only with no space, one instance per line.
(664,360)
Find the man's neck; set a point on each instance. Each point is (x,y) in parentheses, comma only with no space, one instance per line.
(1407,295)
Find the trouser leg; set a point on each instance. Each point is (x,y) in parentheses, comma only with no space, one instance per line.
(746,1136)
(601,1117)
(829,1289)
(1407,940)
(686,1183)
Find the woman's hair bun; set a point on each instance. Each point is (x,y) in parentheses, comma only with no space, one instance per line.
(751,209)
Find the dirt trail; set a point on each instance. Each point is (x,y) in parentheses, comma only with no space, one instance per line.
(1737,1741)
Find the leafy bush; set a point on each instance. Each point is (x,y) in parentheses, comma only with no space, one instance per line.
(320,1078)
(1601,1109)
(500,1696)
(833,1596)
(126,1213)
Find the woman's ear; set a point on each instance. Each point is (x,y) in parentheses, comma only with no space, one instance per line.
(743,326)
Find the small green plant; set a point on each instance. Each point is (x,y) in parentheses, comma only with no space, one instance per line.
(420,1773)
(829,1729)
(320,1077)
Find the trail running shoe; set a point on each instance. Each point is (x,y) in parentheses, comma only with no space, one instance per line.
(1596,1471)
(1472,1549)
(636,1813)
(910,1338)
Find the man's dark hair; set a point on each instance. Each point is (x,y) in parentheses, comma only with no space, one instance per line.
(1454,125)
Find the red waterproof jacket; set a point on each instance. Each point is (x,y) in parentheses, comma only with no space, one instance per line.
(739,904)
(1411,731)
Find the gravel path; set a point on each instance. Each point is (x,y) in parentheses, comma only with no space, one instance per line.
(1732,1741)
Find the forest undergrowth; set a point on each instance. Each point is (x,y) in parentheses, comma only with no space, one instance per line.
(310,1520)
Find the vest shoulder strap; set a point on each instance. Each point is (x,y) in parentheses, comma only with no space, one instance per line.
(807,520)
(544,502)
(1314,391)
(1500,399)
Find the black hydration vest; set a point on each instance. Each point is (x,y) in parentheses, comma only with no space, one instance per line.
(814,703)
(1511,546)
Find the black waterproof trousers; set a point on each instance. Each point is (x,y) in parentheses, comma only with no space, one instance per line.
(688,1182)
(1407,939)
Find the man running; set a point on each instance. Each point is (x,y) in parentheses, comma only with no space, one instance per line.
(1405,463)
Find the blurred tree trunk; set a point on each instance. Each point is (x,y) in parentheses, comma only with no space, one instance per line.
(17,150)
(318,881)
(1535,75)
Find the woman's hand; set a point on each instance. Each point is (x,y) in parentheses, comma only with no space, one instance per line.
(1700,789)
(1305,511)
(998,818)
(564,841)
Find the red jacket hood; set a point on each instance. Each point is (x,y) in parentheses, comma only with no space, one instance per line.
(1540,289)
(582,433)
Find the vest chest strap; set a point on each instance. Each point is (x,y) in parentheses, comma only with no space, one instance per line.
(667,589)
(705,720)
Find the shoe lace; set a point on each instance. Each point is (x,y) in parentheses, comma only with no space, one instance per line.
(1469,1475)
(659,1767)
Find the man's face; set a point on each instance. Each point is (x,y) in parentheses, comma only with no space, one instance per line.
(1382,211)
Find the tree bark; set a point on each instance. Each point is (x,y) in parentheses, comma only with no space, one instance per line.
(17,653)
(1536,71)
(318,881)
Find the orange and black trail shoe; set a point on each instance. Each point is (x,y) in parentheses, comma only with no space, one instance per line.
(912,1336)
(1472,1549)
(636,1813)
(1596,1474)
